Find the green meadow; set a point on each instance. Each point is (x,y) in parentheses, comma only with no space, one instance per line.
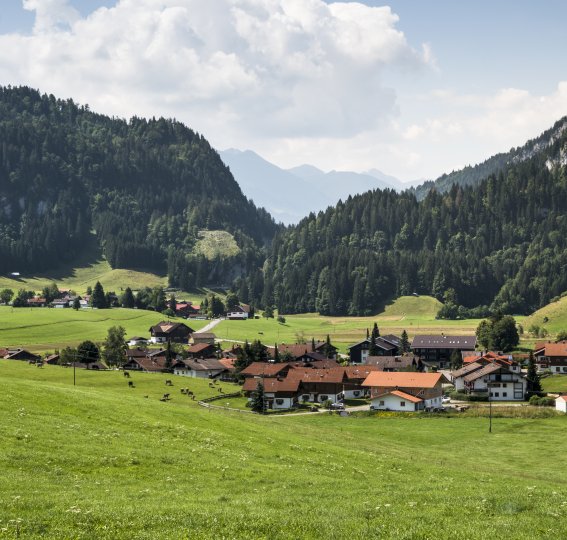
(101,461)
(46,329)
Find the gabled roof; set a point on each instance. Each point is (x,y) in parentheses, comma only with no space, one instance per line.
(167,327)
(136,353)
(564,398)
(204,335)
(199,347)
(556,349)
(466,369)
(360,372)
(151,364)
(392,362)
(206,364)
(266,369)
(228,363)
(444,342)
(403,379)
(486,370)
(333,376)
(403,395)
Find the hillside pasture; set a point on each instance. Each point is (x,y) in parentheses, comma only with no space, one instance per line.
(101,461)
(552,317)
(46,329)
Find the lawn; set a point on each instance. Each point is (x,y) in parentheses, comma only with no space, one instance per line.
(44,329)
(101,461)
(555,383)
(552,317)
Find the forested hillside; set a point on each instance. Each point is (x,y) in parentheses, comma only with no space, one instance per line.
(145,187)
(501,244)
(473,175)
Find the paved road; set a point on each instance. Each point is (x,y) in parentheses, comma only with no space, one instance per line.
(209,327)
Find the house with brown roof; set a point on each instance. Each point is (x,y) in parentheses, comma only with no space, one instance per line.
(201,368)
(240,313)
(279,393)
(202,350)
(151,361)
(551,357)
(266,369)
(405,391)
(407,362)
(166,331)
(19,354)
(436,351)
(203,337)
(320,385)
(304,352)
(354,377)
(186,309)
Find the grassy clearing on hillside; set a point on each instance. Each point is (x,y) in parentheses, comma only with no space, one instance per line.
(43,329)
(99,462)
(216,245)
(556,313)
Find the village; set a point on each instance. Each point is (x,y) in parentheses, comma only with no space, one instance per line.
(432,373)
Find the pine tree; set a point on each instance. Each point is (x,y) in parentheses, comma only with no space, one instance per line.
(456,360)
(257,404)
(276,354)
(98,299)
(534,384)
(127,299)
(312,344)
(76,303)
(328,347)
(404,342)
(373,349)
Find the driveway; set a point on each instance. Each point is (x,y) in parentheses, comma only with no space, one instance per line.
(208,327)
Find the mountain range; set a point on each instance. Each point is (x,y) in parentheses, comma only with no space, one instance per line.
(291,194)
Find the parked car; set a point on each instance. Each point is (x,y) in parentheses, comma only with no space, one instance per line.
(337,406)
(446,399)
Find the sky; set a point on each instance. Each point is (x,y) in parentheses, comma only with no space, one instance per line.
(414,88)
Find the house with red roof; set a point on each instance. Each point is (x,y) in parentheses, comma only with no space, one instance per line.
(498,378)
(279,393)
(405,391)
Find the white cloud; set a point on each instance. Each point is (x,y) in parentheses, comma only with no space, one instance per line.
(236,70)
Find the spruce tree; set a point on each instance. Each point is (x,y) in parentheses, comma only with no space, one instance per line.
(257,403)
(534,384)
(127,299)
(373,349)
(404,342)
(98,298)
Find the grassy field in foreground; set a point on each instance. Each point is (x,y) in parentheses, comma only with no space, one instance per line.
(555,383)
(43,329)
(101,461)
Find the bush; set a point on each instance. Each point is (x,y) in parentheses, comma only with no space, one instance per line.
(542,401)
(461,396)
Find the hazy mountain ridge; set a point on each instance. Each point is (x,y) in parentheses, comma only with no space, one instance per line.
(291,194)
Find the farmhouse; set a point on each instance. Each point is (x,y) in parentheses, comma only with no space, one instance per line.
(207,368)
(320,385)
(202,350)
(241,312)
(265,369)
(305,351)
(19,354)
(388,345)
(170,331)
(403,391)
(52,359)
(436,351)
(278,393)
(354,377)
(186,309)
(154,364)
(203,337)
(551,356)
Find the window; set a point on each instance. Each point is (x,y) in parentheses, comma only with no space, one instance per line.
(496,394)
(565,369)
(504,394)
(402,403)
(381,403)
(556,369)
(504,385)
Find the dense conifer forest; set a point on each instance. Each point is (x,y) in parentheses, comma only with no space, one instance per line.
(498,246)
(144,187)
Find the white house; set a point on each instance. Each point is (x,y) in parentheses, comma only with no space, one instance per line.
(561,404)
(279,393)
(396,400)
(208,368)
(241,312)
(504,384)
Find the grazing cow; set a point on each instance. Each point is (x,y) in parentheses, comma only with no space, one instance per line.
(189,392)
(168,382)
(127,374)
(130,384)
(183,391)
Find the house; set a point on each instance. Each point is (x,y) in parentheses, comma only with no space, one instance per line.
(60,303)
(155,364)
(552,357)
(503,383)
(489,357)
(37,301)
(186,309)
(204,337)
(561,404)
(395,363)
(240,313)
(52,359)
(202,350)
(202,368)
(166,331)
(436,351)
(265,369)
(388,345)
(405,391)
(19,354)
(320,385)
(233,352)
(137,340)
(278,393)
(355,376)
